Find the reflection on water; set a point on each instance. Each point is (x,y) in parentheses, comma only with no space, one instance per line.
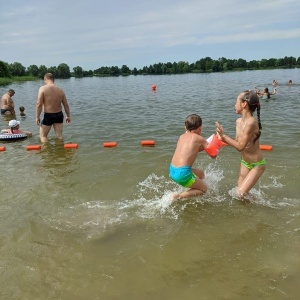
(97,223)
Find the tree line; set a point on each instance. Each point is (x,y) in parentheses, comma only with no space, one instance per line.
(204,65)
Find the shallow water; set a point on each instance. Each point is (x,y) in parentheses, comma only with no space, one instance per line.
(96,223)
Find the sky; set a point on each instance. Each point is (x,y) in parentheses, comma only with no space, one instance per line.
(138,33)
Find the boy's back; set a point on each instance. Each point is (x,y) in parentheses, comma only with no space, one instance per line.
(188,146)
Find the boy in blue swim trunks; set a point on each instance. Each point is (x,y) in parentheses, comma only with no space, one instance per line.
(188,146)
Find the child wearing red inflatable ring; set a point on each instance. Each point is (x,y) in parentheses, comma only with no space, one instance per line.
(248,131)
(14,126)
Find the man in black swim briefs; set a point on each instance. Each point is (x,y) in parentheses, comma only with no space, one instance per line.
(51,98)
(7,103)
(3,111)
(51,118)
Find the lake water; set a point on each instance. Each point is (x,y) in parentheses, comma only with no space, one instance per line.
(96,223)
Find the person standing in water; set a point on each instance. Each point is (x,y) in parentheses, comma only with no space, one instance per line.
(51,98)
(7,103)
(248,131)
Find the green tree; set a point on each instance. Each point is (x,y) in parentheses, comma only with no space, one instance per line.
(88,73)
(183,67)
(53,70)
(134,71)
(125,70)
(208,64)
(42,71)
(63,71)
(78,72)
(17,69)
(264,63)
(216,66)
(272,62)
(241,63)
(115,71)
(4,69)
(253,64)
(33,70)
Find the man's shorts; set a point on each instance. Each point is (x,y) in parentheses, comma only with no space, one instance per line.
(52,118)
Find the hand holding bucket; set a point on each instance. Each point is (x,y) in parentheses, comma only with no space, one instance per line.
(214,146)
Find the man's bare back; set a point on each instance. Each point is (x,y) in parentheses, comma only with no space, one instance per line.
(188,146)
(51,98)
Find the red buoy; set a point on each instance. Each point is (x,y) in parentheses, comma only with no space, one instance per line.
(148,143)
(70,146)
(110,144)
(33,147)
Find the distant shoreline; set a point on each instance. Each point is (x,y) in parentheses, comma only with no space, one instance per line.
(8,80)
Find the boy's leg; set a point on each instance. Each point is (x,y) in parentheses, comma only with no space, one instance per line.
(200,174)
(198,188)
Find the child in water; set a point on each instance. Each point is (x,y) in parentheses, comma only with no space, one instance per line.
(265,94)
(14,126)
(248,131)
(22,109)
(188,146)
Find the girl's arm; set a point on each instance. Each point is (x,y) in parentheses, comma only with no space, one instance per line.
(240,141)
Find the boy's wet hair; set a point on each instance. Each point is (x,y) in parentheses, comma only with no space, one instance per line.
(253,102)
(192,122)
(21,108)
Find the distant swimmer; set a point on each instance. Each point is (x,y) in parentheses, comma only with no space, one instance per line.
(290,82)
(22,111)
(265,94)
(274,82)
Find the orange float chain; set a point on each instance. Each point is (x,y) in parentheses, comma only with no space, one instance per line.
(70,146)
(148,143)
(33,147)
(2,148)
(266,147)
(110,144)
(262,147)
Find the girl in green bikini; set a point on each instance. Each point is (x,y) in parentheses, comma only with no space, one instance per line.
(248,131)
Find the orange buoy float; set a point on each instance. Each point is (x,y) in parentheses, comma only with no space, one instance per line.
(153,87)
(265,147)
(262,147)
(2,148)
(33,147)
(110,144)
(148,143)
(70,146)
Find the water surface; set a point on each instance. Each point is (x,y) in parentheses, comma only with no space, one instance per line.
(96,223)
